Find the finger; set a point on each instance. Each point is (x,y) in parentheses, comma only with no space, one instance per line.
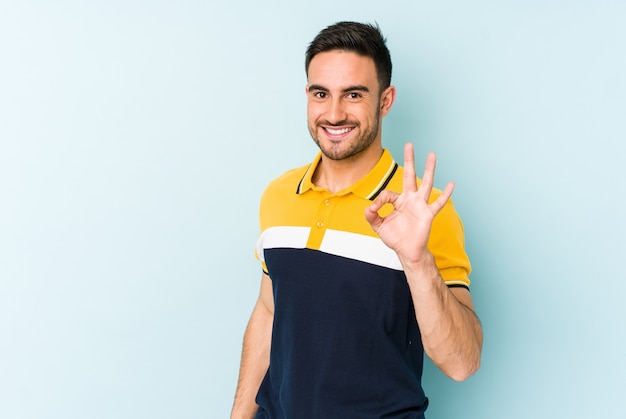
(372,217)
(371,212)
(409,183)
(385,197)
(441,200)
(429,175)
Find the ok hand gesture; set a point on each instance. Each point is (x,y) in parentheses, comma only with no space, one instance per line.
(407,228)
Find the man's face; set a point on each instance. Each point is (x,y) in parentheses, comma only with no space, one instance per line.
(344,103)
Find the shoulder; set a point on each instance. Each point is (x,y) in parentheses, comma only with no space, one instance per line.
(288,181)
(284,187)
(279,202)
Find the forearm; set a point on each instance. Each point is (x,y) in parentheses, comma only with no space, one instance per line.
(451,332)
(254,362)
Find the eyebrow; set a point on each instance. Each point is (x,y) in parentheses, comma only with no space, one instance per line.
(356,88)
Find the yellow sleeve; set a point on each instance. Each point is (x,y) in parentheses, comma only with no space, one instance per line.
(447,244)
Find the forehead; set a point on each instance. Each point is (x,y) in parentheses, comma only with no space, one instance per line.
(341,68)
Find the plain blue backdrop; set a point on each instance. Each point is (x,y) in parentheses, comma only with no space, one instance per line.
(136,138)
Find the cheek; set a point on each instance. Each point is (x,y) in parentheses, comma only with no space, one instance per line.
(365,114)
(313,111)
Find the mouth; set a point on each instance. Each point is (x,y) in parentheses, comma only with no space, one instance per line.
(337,132)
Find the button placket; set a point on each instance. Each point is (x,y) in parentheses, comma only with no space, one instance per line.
(321,222)
(324,213)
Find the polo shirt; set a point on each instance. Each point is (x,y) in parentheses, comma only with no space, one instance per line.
(345,341)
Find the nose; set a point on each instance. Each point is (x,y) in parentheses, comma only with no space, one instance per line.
(336,112)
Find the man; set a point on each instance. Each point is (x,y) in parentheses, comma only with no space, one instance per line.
(364,268)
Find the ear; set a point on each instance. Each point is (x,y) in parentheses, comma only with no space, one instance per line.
(386,100)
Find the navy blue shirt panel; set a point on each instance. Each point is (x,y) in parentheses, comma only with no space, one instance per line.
(345,341)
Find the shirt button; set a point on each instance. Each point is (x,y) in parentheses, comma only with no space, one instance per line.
(327,203)
(320,224)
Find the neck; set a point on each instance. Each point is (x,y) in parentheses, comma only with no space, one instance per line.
(337,175)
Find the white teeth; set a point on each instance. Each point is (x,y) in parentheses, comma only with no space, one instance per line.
(338,131)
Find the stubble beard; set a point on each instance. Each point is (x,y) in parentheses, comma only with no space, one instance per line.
(338,152)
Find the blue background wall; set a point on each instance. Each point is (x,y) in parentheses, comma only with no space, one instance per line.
(136,138)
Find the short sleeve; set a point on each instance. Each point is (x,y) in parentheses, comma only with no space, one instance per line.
(447,244)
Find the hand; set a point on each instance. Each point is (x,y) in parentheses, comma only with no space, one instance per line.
(407,228)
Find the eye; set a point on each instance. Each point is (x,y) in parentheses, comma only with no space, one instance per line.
(320,95)
(354,95)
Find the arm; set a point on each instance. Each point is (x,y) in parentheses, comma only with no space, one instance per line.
(451,332)
(255,355)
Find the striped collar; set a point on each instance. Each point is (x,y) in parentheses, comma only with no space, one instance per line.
(368,187)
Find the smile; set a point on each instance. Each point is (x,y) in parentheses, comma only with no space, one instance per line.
(337,131)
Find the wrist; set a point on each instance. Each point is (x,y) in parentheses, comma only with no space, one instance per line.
(423,272)
(423,264)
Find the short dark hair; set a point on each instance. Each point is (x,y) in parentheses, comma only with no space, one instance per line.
(361,38)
